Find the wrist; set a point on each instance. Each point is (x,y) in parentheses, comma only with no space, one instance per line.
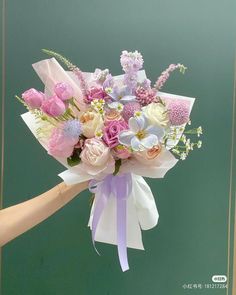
(68,192)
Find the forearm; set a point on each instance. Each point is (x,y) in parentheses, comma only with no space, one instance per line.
(19,218)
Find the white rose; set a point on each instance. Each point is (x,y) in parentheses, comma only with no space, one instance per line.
(91,123)
(96,157)
(156,114)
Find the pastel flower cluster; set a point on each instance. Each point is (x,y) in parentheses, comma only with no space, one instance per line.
(123,119)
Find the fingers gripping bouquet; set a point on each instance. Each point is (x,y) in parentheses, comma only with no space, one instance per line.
(113,131)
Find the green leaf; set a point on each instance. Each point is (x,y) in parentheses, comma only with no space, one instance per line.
(117,166)
(74,159)
(91,200)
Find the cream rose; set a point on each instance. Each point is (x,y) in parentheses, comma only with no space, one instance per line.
(96,157)
(156,114)
(91,123)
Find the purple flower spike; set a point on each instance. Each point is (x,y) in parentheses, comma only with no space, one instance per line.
(109,82)
(131,62)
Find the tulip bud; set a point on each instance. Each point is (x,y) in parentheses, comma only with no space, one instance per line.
(63,90)
(53,106)
(33,98)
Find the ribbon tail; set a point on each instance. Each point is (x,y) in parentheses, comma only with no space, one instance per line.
(121,233)
(101,200)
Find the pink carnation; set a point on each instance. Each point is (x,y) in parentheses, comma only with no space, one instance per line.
(95,93)
(60,145)
(112,130)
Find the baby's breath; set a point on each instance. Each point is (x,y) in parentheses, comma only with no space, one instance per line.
(137,113)
(199,131)
(99,134)
(199,144)
(185,144)
(98,105)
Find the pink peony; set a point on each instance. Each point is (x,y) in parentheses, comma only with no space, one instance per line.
(60,145)
(53,106)
(96,157)
(63,90)
(95,93)
(112,130)
(33,98)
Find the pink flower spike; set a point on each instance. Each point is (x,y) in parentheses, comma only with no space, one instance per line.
(145,96)
(166,74)
(83,85)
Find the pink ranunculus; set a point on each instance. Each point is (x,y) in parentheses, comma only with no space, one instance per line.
(60,145)
(95,93)
(64,91)
(112,130)
(112,114)
(53,106)
(96,157)
(148,157)
(33,98)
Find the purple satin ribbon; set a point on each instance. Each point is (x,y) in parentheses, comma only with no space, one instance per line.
(120,186)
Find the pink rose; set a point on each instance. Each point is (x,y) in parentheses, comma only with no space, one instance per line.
(33,98)
(95,93)
(63,90)
(53,106)
(96,157)
(60,145)
(112,130)
(121,152)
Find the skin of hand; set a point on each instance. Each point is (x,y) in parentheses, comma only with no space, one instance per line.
(19,218)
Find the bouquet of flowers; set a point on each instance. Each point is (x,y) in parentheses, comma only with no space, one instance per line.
(112,131)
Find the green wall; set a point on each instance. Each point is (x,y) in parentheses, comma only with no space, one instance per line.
(189,245)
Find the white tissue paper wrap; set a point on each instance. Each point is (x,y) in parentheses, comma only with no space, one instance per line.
(141,208)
